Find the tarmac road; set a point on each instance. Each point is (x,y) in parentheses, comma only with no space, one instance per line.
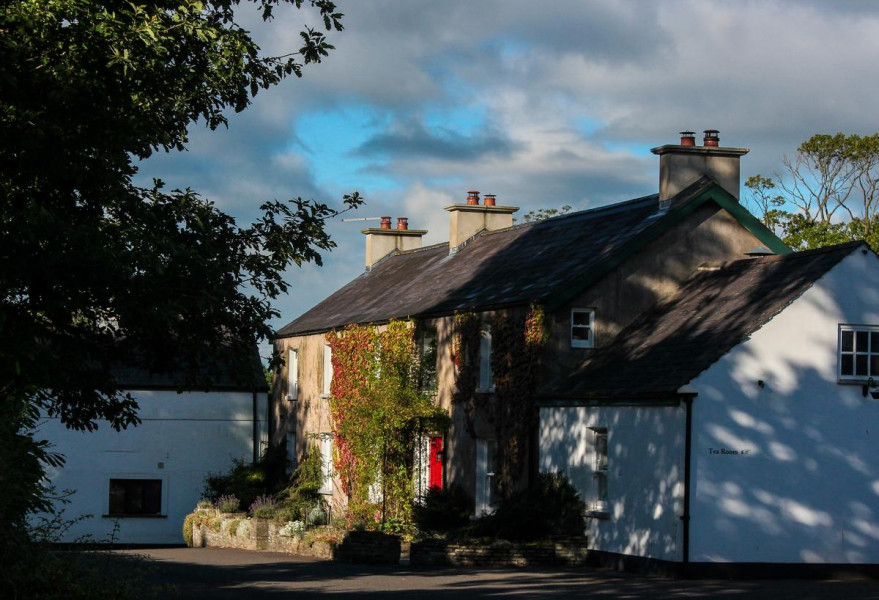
(219,574)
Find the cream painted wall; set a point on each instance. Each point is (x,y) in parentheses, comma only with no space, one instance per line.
(182,438)
(803,486)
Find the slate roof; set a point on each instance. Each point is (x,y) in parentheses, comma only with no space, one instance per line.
(668,346)
(513,266)
(241,375)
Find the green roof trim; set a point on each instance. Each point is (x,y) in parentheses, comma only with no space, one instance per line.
(712,192)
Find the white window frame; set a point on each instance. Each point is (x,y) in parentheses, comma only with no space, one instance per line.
(292,457)
(580,343)
(327,371)
(326,463)
(293,374)
(857,350)
(485,477)
(486,376)
(600,446)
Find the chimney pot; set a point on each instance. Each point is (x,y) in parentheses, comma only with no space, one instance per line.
(473,197)
(385,223)
(489,199)
(403,223)
(711,138)
(688,138)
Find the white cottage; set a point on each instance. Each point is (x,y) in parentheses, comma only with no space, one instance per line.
(736,424)
(139,484)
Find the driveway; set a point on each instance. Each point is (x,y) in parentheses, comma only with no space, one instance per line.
(217,574)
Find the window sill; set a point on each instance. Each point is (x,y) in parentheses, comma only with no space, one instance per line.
(291,398)
(325,396)
(133,516)
(602,515)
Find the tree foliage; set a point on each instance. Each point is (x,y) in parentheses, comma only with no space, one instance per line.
(94,270)
(827,194)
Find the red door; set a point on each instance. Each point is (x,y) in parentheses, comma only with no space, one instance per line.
(436,462)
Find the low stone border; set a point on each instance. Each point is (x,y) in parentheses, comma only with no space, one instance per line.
(232,530)
(500,553)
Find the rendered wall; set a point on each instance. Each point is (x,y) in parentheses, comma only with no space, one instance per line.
(182,438)
(708,235)
(789,472)
(645,472)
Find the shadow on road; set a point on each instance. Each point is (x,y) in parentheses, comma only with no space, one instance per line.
(221,574)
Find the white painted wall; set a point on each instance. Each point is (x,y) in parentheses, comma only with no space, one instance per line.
(807,490)
(645,472)
(182,437)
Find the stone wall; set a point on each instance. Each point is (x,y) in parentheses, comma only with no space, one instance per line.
(229,530)
(238,531)
(500,553)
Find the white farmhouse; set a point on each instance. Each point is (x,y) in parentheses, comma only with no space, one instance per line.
(139,484)
(736,424)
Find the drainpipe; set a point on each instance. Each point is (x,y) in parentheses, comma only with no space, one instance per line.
(688,444)
(255,426)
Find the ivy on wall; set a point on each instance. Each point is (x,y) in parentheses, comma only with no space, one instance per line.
(377,412)
(517,340)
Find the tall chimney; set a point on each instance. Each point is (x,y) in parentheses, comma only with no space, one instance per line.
(683,164)
(382,240)
(466,220)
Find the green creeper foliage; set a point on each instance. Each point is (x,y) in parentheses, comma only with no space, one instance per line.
(378,411)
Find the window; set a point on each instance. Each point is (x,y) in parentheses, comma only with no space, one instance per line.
(582,328)
(599,469)
(427,363)
(858,352)
(293,375)
(486,378)
(291,449)
(135,497)
(326,463)
(486,482)
(328,370)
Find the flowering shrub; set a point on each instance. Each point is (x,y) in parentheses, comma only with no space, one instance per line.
(228,503)
(292,529)
(264,507)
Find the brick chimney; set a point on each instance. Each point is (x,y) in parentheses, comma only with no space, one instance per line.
(466,220)
(382,240)
(684,163)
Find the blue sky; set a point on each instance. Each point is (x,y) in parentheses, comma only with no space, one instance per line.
(543,104)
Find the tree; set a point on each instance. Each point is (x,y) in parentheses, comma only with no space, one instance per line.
(546,213)
(95,271)
(831,184)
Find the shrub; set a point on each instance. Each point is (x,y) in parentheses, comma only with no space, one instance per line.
(550,507)
(249,481)
(443,509)
(205,504)
(228,504)
(264,507)
(292,529)
(188,523)
(299,500)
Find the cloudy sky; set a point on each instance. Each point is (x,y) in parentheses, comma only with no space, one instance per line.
(541,103)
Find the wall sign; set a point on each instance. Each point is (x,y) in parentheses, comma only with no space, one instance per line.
(728,452)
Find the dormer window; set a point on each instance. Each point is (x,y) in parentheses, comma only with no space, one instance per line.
(582,328)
